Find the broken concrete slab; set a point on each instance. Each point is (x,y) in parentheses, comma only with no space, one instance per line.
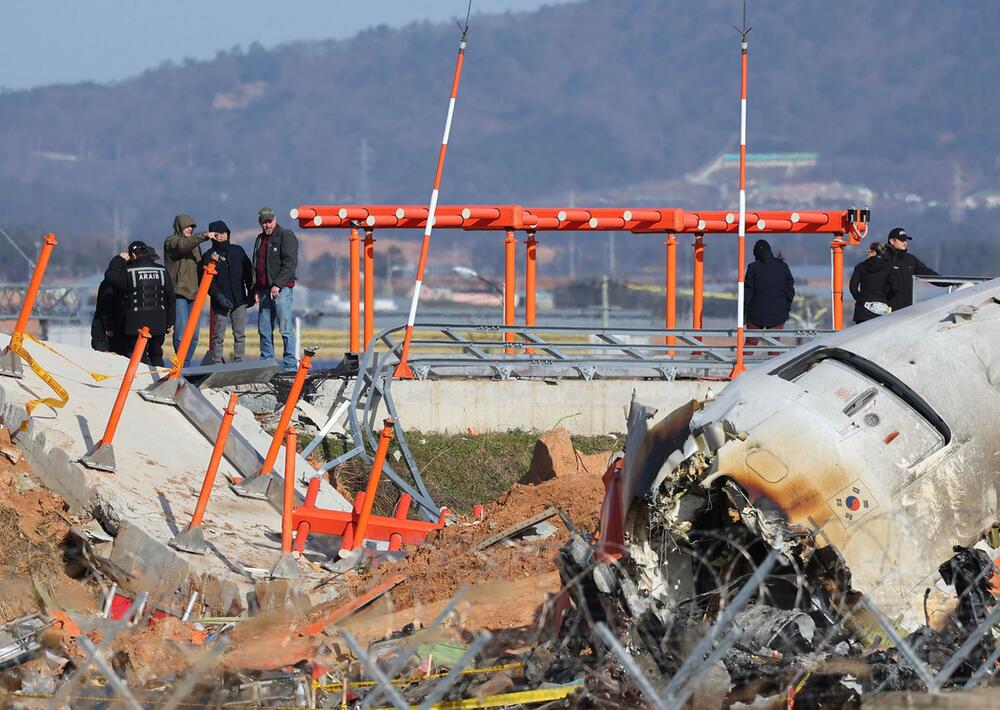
(161,461)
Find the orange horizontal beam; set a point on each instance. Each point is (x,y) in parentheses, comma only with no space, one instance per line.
(636,220)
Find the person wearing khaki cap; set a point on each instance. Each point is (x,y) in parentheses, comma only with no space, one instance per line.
(275,258)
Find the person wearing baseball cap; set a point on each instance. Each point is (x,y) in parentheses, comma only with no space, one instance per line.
(904,266)
(275,258)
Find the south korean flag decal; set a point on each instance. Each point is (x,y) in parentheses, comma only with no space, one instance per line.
(852,503)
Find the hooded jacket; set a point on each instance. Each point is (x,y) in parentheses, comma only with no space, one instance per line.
(871,282)
(145,292)
(768,288)
(231,287)
(181,256)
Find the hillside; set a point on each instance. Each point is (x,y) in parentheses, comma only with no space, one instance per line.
(584,97)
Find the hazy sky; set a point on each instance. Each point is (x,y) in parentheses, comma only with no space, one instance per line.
(56,41)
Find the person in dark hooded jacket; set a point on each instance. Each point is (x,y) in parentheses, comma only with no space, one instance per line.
(146,294)
(230,293)
(106,334)
(768,290)
(872,284)
(181,257)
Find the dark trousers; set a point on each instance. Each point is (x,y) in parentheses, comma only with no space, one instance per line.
(154,349)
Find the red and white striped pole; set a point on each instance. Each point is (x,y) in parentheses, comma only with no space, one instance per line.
(403,369)
(739,367)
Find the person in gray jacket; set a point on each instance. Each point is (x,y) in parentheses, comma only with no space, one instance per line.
(275,258)
(181,257)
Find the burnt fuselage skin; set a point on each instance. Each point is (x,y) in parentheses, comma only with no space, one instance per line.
(885,437)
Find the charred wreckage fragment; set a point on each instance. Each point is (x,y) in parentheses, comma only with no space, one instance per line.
(860,470)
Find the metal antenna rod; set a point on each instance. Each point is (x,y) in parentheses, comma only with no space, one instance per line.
(17,248)
(744,34)
(403,369)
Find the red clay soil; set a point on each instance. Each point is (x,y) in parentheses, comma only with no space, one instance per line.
(438,570)
(33,522)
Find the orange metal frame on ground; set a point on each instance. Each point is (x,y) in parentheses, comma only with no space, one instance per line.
(847,227)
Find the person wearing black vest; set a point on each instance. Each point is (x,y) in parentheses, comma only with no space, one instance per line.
(872,284)
(146,298)
(230,293)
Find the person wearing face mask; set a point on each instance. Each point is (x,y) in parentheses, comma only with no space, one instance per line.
(229,293)
(872,284)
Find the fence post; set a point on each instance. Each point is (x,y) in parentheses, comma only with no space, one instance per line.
(10,363)
(287,567)
(192,539)
(697,299)
(102,456)
(256,486)
(373,481)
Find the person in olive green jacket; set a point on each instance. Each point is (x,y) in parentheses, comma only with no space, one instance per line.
(181,256)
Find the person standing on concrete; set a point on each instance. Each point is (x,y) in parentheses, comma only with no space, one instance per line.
(872,284)
(230,292)
(768,290)
(904,267)
(182,256)
(275,258)
(146,295)
(106,329)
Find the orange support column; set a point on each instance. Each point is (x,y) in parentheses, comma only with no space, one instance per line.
(355,266)
(373,480)
(530,262)
(279,434)
(302,532)
(509,285)
(671,286)
(698,296)
(194,320)
(369,286)
(288,497)
(287,567)
(192,539)
(530,246)
(837,281)
(102,456)
(10,363)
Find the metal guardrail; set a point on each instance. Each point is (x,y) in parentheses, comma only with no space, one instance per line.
(52,303)
(582,351)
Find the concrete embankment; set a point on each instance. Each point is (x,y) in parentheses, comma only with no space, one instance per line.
(587,408)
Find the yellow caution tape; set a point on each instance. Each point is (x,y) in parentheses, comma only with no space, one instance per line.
(338,686)
(17,346)
(98,377)
(524,697)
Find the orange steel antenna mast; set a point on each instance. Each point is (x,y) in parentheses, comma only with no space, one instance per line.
(740,312)
(403,369)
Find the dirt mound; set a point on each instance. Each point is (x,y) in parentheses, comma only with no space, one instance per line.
(555,457)
(438,570)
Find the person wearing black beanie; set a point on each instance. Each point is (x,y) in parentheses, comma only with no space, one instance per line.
(229,293)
